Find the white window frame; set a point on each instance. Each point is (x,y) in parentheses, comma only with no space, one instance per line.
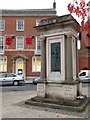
(37,43)
(3,63)
(35,57)
(17,29)
(3,25)
(3,39)
(17,43)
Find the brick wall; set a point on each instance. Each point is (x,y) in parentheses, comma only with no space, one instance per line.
(29,30)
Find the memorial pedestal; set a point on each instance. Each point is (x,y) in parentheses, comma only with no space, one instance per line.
(54,90)
(59,59)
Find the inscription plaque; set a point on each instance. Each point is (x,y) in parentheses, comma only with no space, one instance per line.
(41,90)
(69,92)
(55,57)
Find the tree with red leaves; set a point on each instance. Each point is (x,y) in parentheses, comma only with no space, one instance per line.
(81,10)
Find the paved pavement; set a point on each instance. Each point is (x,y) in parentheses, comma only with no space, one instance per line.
(13,106)
(28,81)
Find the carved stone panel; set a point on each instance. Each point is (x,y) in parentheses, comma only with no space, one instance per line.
(55,57)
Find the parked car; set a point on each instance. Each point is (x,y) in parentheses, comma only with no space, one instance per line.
(84,75)
(35,80)
(11,78)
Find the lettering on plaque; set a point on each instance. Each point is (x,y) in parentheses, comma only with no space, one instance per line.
(41,88)
(68,91)
(55,57)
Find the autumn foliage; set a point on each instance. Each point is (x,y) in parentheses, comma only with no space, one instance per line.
(81,10)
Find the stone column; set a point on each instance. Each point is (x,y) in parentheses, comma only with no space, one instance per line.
(68,58)
(79,85)
(41,87)
(77,61)
(43,58)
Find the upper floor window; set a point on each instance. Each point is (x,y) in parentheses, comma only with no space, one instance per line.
(2,25)
(20,25)
(3,63)
(37,22)
(20,43)
(38,43)
(1,45)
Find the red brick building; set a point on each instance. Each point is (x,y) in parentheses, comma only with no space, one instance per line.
(19,25)
(84,52)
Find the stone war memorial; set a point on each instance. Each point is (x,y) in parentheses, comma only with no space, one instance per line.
(59,86)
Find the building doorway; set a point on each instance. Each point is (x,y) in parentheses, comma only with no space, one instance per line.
(19,66)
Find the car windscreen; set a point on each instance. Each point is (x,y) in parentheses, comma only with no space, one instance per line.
(82,74)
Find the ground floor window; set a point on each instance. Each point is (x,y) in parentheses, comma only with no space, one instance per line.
(3,63)
(36,64)
(1,44)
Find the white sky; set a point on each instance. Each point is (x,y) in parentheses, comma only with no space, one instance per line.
(61,5)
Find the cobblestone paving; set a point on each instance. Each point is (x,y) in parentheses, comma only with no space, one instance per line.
(84,114)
